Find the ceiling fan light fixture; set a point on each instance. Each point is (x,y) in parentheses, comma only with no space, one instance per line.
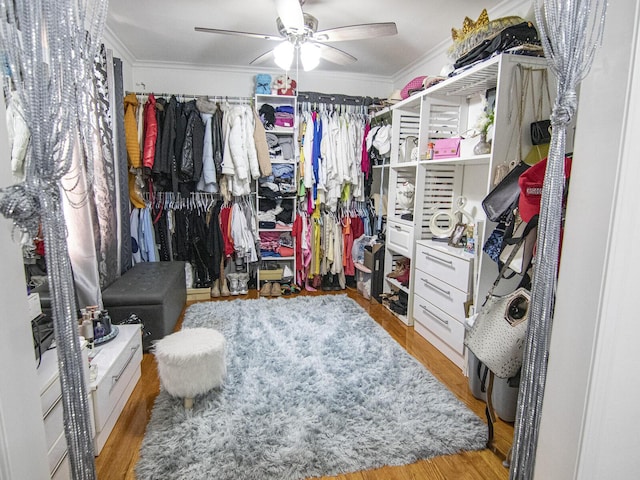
(283,55)
(309,56)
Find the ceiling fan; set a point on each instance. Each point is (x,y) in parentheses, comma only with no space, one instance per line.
(298,31)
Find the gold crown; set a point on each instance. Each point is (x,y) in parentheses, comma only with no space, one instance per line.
(469,26)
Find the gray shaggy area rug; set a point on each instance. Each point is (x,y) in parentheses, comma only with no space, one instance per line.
(314,387)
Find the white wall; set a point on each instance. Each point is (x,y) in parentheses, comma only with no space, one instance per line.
(189,80)
(23,453)
(590,413)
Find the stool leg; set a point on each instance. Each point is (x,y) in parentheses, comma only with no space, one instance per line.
(188,403)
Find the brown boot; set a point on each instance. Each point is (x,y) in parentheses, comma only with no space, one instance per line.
(276,290)
(215,289)
(265,291)
(224,288)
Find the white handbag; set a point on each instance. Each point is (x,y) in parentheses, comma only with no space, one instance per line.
(499,331)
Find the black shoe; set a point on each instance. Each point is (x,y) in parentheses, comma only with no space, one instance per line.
(327,282)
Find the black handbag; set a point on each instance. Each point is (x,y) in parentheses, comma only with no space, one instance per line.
(505,194)
(541,132)
(513,36)
(540,129)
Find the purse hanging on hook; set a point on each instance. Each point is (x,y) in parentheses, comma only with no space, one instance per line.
(541,129)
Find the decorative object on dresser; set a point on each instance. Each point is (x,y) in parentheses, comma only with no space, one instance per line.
(316,380)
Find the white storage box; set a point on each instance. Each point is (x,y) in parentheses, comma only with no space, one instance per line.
(363,280)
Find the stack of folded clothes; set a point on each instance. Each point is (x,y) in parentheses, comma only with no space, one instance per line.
(276,244)
(275,150)
(275,213)
(280,182)
(284,116)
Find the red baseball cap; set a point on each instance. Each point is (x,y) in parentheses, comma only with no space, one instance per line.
(531,182)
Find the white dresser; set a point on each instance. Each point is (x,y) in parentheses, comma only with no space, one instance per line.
(118,370)
(442,287)
(52,413)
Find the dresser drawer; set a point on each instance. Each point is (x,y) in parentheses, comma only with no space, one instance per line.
(447,328)
(115,370)
(63,472)
(400,238)
(447,298)
(57,453)
(53,422)
(52,391)
(452,269)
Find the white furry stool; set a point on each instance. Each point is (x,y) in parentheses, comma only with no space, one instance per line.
(191,362)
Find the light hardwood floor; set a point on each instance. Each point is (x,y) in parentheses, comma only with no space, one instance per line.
(119,456)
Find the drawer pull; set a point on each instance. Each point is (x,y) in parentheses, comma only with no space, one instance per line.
(436,287)
(115,378)
(441,320)
(441,260)
(398,227)
(53,405)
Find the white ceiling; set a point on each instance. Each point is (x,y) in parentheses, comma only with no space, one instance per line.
(163,30)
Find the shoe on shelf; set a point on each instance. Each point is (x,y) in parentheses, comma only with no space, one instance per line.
(265,291)
(403,278)
(215,289)
(243,282)
(399,268)
(276,290)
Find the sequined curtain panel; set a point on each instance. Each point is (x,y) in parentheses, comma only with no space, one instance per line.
(121,167)
(90,202)
(49,47)
(571,32)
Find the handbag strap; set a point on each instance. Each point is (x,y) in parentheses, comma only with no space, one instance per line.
(538,106)
(505,267)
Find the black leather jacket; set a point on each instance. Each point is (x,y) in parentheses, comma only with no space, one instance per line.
(191,155)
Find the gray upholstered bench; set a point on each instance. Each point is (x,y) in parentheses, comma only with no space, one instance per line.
(155,291)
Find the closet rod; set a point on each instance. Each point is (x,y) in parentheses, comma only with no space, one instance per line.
(186,95)
(316,97)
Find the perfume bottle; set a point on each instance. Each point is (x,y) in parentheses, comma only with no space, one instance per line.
(98,331)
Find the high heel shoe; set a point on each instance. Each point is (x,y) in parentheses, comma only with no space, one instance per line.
(399,269)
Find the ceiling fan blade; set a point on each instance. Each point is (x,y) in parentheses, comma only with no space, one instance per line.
(261,36)
(290,13)
(335,55)
(356,32)
(262,58)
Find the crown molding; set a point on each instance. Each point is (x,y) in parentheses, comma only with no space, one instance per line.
(252,70)
(112,40)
